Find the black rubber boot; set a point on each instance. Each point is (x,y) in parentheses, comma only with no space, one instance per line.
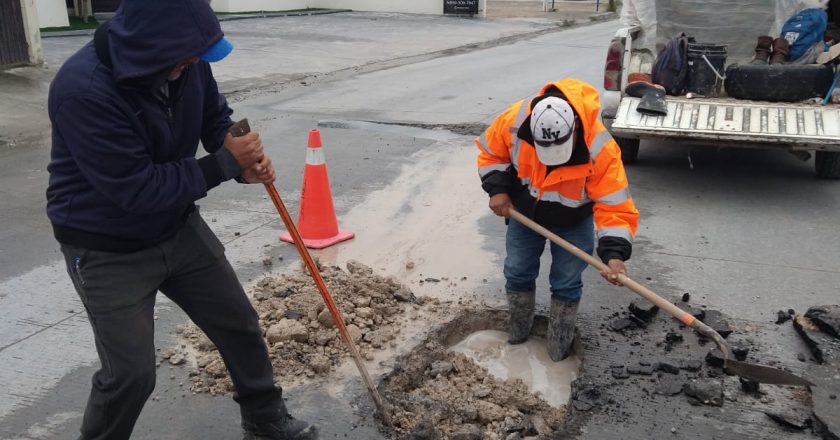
(285,428)
(561,329)
(521,307)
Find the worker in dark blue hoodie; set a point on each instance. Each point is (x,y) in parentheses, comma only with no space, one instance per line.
(128,111)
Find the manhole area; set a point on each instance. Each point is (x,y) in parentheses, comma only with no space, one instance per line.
(465,382)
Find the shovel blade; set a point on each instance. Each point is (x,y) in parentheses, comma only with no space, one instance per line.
(763,374)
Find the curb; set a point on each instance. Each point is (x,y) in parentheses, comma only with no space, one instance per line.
(58,34)
(603,16)
(281,14)
(87,32)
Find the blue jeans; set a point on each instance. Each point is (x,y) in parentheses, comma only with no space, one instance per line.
(522,263)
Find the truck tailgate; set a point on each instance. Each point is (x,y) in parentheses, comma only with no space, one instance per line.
(796,126)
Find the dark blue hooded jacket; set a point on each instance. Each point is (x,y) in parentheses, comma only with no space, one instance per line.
(123,172)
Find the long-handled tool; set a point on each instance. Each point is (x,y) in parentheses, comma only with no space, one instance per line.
(758,373)
(241,128)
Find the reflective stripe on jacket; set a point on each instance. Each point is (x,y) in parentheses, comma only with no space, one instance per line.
(601,181)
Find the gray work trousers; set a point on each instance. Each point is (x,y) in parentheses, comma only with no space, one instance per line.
(118,291)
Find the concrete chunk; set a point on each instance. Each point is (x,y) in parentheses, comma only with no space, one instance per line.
(468,432)
(404,294)
(287,330)
(704,392)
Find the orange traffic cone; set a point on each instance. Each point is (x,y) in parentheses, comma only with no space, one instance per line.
(317,222)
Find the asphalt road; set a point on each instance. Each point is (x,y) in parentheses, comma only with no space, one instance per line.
(746,232)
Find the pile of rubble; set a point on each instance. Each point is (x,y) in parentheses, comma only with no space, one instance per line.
(439,394)
(301,335)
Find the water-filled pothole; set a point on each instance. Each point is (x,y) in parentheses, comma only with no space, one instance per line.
(438,391)
(528,362)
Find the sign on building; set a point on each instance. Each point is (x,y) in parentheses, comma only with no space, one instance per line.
(460,7)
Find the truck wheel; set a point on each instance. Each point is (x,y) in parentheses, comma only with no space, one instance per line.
(827,164)
(629,149)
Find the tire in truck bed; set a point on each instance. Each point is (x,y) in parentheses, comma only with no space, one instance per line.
(778,82)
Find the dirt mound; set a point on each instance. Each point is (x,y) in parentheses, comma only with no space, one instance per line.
(436,393)
(300,333)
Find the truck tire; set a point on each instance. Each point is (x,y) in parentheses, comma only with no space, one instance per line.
(778,82)
(629,149)
(827,164)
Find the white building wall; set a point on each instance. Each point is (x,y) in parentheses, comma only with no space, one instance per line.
(259,5)
(52,13)
(404,6)
(32,29)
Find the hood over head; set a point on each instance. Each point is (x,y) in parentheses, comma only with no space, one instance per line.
(146,37)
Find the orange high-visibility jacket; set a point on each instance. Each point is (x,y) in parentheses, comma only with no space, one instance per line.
(597,184)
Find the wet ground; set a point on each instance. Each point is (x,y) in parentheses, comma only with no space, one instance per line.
(745,232)
(528,362)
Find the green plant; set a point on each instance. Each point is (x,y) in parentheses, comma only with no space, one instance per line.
(76,24)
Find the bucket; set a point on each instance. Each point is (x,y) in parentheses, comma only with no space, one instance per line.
(705,68)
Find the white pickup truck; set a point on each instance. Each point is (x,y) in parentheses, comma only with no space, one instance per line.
(800,128)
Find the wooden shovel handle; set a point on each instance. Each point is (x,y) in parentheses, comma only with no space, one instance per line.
(241,128)
(644,292)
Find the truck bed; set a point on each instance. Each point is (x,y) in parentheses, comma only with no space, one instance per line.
(727,120)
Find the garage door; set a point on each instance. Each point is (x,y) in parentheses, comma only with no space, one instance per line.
(13,48)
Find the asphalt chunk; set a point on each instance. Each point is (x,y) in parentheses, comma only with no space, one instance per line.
(782,317)
(667,367)
(669,385)
(715,358)
(644,370)
(827,318)
(691,365)
(821,345)
(798,420)
(622,324)
(643,309)
(694,311)
(715,320)
(749,386)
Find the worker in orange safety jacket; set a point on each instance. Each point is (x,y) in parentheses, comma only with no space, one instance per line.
(551,158)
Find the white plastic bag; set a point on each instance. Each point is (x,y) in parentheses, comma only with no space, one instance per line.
(735,23)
